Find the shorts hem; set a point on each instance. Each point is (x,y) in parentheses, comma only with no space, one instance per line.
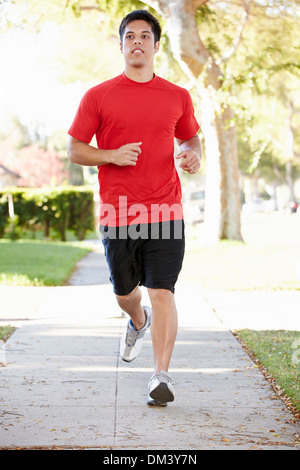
(116,292)
(160,286)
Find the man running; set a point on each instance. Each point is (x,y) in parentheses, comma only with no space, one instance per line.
(135,117)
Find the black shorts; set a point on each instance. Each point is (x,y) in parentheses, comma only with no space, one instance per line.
(146,254)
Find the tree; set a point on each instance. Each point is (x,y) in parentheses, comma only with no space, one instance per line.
(267,85)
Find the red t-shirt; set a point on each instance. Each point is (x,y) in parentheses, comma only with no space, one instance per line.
(121,111)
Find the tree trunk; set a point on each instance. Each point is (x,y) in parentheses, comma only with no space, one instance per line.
(222,202)
(230,226)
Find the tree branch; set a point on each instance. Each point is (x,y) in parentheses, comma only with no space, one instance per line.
(239,32)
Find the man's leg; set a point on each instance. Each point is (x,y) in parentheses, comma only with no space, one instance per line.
(164,327)
(131,304)
(132,339)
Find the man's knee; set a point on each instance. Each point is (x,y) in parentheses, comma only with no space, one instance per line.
(161,295)
(125,299)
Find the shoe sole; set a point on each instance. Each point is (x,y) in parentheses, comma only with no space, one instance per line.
(162,393)
(152,402)
(128,360)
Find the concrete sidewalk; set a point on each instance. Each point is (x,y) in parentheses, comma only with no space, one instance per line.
(64,386)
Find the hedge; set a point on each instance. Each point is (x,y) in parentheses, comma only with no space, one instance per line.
(59,208)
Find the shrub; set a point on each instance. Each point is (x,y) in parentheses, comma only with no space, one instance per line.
(58,208)
(3,214)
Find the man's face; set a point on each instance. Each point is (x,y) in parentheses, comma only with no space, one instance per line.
(138,46)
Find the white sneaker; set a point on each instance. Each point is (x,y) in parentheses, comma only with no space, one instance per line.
(160,389)
(131,341)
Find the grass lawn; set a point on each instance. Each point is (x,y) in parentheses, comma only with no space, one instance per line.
(38,262)
(279,352)
(6,332)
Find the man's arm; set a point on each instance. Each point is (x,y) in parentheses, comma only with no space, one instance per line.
(190,151)
(85,154)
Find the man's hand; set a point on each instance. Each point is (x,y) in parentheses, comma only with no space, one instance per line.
(191,154)
(191,161)
(127,154)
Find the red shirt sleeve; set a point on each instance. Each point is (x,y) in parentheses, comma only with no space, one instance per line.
(187,126)
(87,118)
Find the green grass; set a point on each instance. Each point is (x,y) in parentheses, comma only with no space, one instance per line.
(5,332)
(279,352)
(37,262)
(240,266)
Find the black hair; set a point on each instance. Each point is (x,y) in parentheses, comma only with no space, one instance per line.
(141,15)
